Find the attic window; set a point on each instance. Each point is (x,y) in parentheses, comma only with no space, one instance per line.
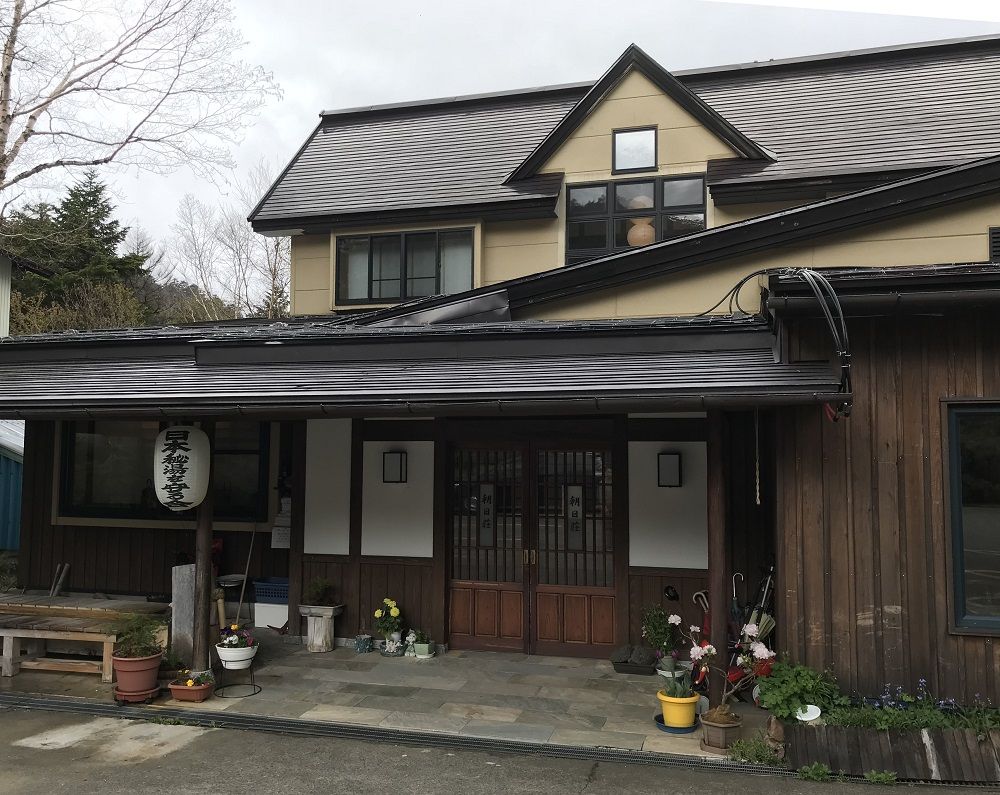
(633,150)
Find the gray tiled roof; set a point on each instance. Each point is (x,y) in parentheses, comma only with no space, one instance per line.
(904,108)
(430,157)
(423,385)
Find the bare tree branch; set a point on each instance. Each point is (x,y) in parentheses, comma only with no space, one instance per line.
(154,84)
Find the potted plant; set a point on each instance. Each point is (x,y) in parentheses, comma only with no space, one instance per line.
(422,644)
(721,727)
(237,647)
(319,607)
(192,687)
(661,632)
(137,655)
(388,620)
(678,702)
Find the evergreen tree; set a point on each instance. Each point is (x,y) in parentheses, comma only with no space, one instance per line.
(78,239)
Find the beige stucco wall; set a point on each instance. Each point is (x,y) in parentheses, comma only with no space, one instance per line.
(311,268)
(955,234)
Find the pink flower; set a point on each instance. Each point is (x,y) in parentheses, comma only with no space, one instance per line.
(751,630)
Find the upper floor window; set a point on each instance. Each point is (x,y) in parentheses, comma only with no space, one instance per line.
(633,150)
(396,267)
(615,216)
(974,443)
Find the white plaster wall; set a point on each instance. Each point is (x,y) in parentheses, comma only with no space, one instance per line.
(668,527)
(398,518)
(328,487)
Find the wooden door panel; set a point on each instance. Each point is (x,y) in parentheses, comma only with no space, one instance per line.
(548,617)
(602,619)
(577,622)
(486,616)
(487,549)
(512,615)
(487,613)
(460,619)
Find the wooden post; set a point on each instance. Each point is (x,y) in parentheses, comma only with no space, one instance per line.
(296,536)
(201,659)
(717,591)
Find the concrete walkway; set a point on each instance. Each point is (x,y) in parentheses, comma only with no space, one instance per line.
(558,700)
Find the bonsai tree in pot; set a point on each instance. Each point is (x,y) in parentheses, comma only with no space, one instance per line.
(137,654)
(319,607)
(720,724)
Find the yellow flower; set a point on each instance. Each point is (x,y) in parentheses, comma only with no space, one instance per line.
(394,612)
(378,614)
(392,603)
(190,683)
(387,601)
(234,627)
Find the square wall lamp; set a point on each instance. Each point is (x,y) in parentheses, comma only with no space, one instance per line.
(394,466)
(668,470)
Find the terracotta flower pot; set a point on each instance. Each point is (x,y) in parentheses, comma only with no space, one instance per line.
(137,674)
(182,692)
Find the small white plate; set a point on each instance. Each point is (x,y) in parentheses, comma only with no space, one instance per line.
(807,713)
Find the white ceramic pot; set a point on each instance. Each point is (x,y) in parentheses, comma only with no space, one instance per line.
(235,658)
(396,636)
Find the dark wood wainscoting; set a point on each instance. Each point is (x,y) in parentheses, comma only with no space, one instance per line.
(486,615)
(648,587)
(408,581)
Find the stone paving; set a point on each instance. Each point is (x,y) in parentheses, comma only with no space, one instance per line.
(537,699)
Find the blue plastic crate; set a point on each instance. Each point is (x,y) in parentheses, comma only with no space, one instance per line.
(271,590)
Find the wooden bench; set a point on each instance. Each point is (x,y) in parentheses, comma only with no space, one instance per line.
(36,619)
(37,629)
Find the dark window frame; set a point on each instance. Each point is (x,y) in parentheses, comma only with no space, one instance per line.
(340,273)
(958,622)
(993,243)
(659,211)
(642,169)
(67,510)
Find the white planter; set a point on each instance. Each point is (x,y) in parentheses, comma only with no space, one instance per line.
(235,658)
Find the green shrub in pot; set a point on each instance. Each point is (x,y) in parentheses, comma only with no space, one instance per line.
(422,645)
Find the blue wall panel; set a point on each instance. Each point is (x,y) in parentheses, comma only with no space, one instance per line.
(10,502)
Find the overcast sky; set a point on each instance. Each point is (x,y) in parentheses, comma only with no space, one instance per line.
(348,53)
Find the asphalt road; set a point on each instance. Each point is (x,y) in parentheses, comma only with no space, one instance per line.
(46,752)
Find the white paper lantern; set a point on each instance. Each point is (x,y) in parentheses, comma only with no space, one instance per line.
(181,461)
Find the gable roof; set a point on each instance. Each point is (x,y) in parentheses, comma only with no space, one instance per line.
(634,58)
(853,210)
(913,107)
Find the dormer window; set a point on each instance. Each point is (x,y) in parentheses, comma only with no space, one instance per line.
(633,150)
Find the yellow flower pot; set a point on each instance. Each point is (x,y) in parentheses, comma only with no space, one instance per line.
(678,713)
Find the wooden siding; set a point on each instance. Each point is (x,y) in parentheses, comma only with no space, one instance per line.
(861,526)
(119,560)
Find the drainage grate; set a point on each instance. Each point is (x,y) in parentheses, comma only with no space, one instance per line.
(350,731)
